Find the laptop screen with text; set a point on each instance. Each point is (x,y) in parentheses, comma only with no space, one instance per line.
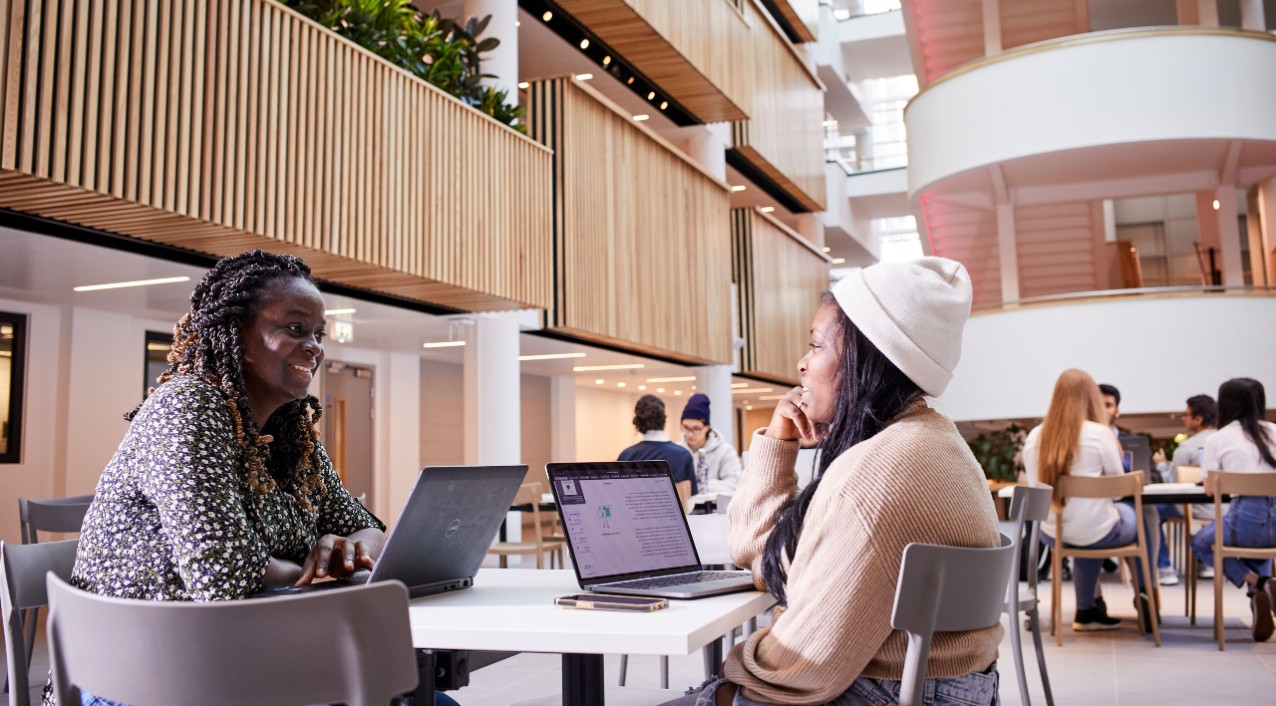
(623,518)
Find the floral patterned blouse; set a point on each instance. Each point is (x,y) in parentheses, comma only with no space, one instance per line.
(174,518)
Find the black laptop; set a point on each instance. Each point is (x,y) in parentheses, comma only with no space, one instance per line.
(445,530)
(628,535)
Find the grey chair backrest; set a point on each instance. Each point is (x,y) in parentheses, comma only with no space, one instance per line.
(53,515)
(1028,504)
(22,585)
(348,645)
(945,589)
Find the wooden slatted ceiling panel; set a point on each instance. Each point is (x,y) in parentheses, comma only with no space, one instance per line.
(695,51)
(802,15)
(778,283)
(948,33)
(1056,247)
(785,135)
(1025,23)
(224,125)
(641,236)
(969,236)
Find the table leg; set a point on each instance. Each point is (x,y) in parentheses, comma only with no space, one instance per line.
(583,680)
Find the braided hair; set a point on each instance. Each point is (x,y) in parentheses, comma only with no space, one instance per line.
(871,392)
(207,342)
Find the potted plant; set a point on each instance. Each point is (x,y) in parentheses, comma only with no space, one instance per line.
(998,453)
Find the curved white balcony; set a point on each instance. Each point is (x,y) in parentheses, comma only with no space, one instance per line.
(1100,115)
(1157,347)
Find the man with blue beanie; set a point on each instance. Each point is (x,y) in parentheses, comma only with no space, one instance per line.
(716,462)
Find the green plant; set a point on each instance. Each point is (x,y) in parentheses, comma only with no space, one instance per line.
(998,452)
(436,49)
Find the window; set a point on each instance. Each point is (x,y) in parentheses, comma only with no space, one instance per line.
(13,353)
(157,347)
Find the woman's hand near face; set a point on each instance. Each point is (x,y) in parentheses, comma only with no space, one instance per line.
(790,423)
(337,557)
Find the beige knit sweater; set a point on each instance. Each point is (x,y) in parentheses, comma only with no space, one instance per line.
(916,481)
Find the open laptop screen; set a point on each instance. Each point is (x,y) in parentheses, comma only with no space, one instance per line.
(622,518)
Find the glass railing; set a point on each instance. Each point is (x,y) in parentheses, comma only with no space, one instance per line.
(1105,294)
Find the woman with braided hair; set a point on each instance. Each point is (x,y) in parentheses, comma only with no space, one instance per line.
(221,487)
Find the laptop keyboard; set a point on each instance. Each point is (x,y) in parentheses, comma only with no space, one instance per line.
(676,579)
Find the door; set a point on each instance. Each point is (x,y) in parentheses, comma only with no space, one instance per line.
(348,424)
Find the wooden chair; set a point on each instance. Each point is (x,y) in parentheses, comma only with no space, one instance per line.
(23,568)
(350,646)
(529,495)
(1178,533)
(1220,483)
(945,589)
(1119,486)
(1028,504)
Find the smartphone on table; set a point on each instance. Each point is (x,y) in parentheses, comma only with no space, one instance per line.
(598,601)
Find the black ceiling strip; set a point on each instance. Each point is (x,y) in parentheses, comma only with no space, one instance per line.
(749,171)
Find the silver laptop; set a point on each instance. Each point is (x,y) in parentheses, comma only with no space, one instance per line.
(445,530)
(627,533)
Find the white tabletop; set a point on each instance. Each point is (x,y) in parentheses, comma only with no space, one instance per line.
(1150,489)
(513,610)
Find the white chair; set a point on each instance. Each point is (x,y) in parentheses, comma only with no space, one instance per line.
(945,589)
(23,568)
(1028,504)
(50,515)
(348,645)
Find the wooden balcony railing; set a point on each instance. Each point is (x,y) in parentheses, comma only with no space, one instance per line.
(696,51)
(783,139)
(223,125)
(779,276)
(642,235)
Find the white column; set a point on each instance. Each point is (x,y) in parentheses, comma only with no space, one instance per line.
(503,60)
(492,405)
(398,430)
(708,146)
(1009,252)
(562,408)
(715,381)
(1253,17)
(1229,235)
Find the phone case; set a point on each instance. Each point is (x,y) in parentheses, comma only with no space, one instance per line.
(604,602)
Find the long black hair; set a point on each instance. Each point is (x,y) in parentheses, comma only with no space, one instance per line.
(871,392)
(207,342)
(1244,400)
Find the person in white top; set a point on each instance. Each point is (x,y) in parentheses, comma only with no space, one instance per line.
(1074,440)
(1244,443)
(716,462)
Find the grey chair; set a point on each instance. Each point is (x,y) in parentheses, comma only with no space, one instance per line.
(945,589)
(22,586)
(51,515)
(349,645)
(1028,504)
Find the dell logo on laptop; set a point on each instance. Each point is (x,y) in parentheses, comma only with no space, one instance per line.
(452,528)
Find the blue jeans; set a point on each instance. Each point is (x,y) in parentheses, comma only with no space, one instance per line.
(974,689)
(1085,572)
(1251,522)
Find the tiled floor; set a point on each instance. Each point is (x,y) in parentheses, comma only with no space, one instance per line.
(1118,668)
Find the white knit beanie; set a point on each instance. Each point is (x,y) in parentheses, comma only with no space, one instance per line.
(913,312)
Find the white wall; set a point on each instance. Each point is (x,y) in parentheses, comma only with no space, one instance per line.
(1158,351)
(605,421)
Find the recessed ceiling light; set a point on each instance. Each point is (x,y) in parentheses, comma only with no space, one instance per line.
(651,95)
(738,385)
(677,392)
(584,44)
(587,368)
(599,381)
(688,378)
(584,77)
(337,312)
(523,84)
(620,384)
(739,187)
(827,249)
(606,60)
(1215,204)
(660,389)
(642,387)
(767,209)
(133,283)
(630,82)
(640,118)
(751,390)
(443,344)
(664,104)
(551,356)
(839,261)
(547,16)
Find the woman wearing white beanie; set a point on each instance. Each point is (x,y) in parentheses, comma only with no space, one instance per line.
(892,471)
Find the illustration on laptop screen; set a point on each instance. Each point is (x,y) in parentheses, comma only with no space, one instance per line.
(620,525)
